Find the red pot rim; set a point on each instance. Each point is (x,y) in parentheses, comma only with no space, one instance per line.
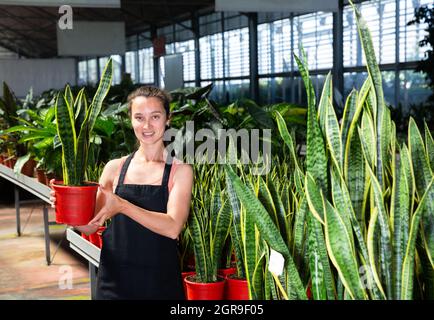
(90,185)
(218,283)
(231,277)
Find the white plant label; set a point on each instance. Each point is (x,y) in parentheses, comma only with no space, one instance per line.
(277,262)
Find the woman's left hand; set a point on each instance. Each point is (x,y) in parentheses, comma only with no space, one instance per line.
(112,206)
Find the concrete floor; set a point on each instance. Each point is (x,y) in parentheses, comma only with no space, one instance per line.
(24,274)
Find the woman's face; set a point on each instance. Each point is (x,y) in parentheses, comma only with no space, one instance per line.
(149,119)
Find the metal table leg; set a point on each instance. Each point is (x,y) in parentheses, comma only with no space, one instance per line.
(47,235)
(92,276)
(17,209)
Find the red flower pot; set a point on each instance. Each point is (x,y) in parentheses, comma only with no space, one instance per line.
(227,271)
(204,291)
(96,238)
(85,236)
(184,275)
(236,289)
(75,206)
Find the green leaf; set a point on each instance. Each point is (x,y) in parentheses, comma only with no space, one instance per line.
(408,264)
(349,114)
(339,247)
(266,227)
(423,176)
(316,159)
(67,136)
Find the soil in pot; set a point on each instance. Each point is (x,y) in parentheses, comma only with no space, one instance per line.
(75,205)
(204,291)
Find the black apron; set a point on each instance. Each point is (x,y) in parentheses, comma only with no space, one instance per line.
(135,262)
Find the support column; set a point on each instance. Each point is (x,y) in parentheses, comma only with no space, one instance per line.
(338,55)
(195,27)
(253,54)
(155,59)
(47,235)
(92,277)
(17,210)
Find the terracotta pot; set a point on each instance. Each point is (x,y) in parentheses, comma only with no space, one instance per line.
(236,289)
(48,177)
(10,162)
(75,206)
(184,275)
(204,291)
(40,175)
(29,168)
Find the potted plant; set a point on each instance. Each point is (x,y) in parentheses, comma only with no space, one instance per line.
(75,197)
(209,224)
(38,131)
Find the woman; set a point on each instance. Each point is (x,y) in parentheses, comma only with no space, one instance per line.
(148,200)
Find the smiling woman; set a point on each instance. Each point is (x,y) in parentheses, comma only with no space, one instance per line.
(148,199)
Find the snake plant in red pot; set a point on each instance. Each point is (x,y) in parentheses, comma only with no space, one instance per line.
(75,197)
(209,224)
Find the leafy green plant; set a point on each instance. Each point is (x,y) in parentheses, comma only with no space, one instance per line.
(209,222)
(75,121)
(360,222)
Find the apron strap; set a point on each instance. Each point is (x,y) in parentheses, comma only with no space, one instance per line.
(166,175)
(124,169)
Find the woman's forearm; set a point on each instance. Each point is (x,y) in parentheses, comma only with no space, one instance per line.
(157,222)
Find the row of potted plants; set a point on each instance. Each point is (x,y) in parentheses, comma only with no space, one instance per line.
(353,219)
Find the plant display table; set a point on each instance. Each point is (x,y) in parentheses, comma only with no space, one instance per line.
(83,247)
(38,189)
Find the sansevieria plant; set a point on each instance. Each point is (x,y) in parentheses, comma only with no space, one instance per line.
(75,121)
(355,218)
(209,225)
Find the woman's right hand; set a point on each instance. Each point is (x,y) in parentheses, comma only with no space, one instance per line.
(86,229)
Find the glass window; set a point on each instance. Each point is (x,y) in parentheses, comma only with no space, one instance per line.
(355,80)
(130,64)
(146,65)
(82,72)
(102,63)
(211,56)
(236,53)
(218,90)
(274,47)
(186,48)
(117,69)
(315,32)
(92,72)
(273,90)
(237,89)
(380,17)
(409,36)
(414,89)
